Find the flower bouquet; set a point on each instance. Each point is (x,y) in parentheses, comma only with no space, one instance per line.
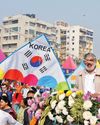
(37,105)
(71,108)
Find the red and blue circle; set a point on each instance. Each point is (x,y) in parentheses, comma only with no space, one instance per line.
(36,61)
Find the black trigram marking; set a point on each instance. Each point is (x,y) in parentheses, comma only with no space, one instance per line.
(31,45)
(47,57)
(25,66)
(28,53)
(43,69)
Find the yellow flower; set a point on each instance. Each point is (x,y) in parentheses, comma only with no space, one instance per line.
(60,92)
(80,92)
(68,93)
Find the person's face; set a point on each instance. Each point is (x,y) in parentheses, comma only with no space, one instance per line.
(30,95)
(3,104)
(4,87)
(90,63)
(29,98)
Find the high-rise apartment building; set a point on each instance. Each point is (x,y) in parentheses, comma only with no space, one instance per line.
(21,28)
(74,40)
(66,39)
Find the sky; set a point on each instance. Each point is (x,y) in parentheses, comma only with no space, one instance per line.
(75,12)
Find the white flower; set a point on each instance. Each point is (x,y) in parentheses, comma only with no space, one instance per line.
(87,115)
(58,111)
(64,111)
(73,94)
(53,104)
(70,101)
(50,115)
(62,96)
(99,111)
(86,122)
(59,119)
(93,120)
(87,104)
(61,104)
(69,118)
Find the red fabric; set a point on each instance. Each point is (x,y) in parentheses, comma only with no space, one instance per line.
(17,98)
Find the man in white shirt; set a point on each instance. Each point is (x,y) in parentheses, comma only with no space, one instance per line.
(7,119)
(89,79)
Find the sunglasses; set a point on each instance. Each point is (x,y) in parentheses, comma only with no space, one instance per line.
(29,97)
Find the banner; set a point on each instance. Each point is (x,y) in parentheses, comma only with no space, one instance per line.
(72,78)
(34,62)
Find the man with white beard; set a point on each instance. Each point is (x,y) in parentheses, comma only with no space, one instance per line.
(7,119)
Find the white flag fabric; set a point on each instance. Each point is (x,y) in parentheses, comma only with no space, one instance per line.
(72,78)
(35,61)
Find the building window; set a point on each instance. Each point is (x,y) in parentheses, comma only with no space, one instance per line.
(43,26)
(73,31)
(89,33)
(72,43)
(31,31)
(26,23)
(26,31)
(6,38)
(73,49)
(31,24)
(14,29)
(14,21)
(38,25)
(5,22)
(15,37)
(7,46)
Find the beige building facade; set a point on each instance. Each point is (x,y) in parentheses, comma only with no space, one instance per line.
(66,39)
(22,28)
(74,40)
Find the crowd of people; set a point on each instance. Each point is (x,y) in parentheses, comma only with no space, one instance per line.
(18,100)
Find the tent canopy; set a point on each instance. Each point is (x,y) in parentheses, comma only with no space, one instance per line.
(2,56)
(69,64)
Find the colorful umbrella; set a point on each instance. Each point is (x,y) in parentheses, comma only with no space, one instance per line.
(30,79)
(47,81)
(13,74)
(62,86)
